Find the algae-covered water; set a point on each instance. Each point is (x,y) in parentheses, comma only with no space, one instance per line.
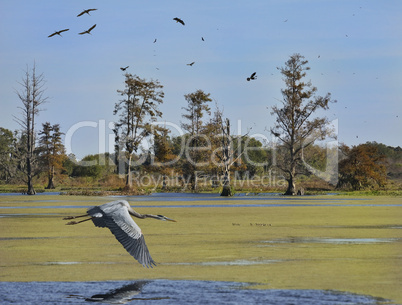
(299,250)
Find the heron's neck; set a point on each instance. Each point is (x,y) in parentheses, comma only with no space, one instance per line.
(151,216)
(142,216)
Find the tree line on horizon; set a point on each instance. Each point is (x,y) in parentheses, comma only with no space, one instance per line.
(28,154)
(365,166)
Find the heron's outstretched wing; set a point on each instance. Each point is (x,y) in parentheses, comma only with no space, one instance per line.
(126,231)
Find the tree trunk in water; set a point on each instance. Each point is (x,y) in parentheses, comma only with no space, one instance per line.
(291,187)
(193,182)
(226,190)
(292,174)
(164,183)
(50,184)
(129,180)
(31,190)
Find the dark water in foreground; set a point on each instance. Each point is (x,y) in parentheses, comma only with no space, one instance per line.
(168,292)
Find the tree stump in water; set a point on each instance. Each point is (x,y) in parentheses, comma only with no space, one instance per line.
(226,191)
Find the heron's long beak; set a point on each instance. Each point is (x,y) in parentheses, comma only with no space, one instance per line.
(170,219)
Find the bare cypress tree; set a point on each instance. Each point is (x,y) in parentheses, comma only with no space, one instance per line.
(227,157)
(31,96)
(295,125)
(225,152)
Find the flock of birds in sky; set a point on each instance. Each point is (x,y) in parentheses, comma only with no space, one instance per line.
(81,33)
(253,76)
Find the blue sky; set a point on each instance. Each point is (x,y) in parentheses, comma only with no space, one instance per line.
(354,49)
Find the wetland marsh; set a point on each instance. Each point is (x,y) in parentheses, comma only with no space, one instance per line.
(309,243)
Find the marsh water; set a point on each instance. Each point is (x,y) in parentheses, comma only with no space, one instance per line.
(169,292)
(195,201)
(188,291)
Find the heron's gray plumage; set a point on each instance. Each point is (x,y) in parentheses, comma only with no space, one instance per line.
(115,216)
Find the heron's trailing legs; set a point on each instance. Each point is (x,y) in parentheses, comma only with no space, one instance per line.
(76,222)
(73,217)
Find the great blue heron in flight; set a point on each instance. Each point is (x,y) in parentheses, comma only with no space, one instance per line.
(179,20)
(86,11)
(252,76)
(58,32)
(88,31)
(115,215)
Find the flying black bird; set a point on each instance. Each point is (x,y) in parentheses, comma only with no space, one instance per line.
(202,38)
(179,20)
(123,69)
(86,11)
(191,63)
(58,32)
(155,40)
(252,76)
(88,31)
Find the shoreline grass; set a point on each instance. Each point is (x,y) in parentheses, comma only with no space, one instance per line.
(272,246)
(264,184)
